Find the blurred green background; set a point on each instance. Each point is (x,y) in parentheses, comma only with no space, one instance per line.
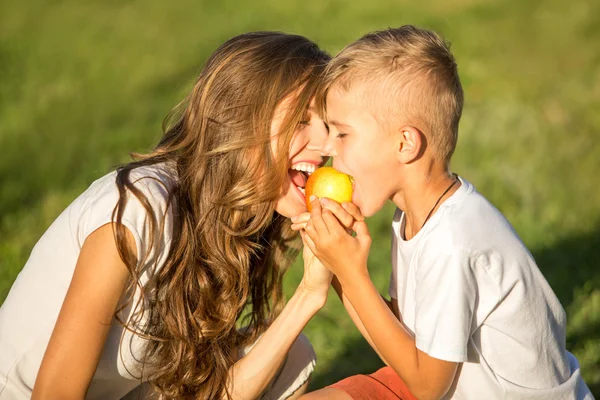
(83,83)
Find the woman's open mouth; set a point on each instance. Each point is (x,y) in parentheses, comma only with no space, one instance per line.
(299,174)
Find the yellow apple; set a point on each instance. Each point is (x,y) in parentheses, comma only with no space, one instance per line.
(329,182)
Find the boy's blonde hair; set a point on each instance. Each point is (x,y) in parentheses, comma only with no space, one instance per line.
(407,76)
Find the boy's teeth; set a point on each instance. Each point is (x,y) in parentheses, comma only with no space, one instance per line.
(301,189)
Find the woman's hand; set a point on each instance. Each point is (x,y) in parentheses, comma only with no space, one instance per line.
(317,278)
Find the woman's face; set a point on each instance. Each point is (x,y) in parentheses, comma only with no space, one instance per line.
(305,156)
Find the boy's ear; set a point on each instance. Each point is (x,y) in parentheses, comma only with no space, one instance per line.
(410,144)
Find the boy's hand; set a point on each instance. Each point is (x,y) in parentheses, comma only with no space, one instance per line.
(330,241)
(346,213)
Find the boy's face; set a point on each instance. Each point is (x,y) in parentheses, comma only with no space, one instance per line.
(361,149)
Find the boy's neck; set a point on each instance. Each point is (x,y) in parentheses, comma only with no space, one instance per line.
(421,195)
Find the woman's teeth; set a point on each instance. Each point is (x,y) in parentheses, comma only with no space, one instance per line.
(305,167)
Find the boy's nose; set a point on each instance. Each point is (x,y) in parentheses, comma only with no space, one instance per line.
(328,147)
(318,136)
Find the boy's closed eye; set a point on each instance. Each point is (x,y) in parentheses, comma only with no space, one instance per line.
(341,135)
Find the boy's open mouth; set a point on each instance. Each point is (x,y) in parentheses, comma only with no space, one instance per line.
(299,174)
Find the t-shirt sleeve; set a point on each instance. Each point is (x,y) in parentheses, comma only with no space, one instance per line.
(445,297)
(103,199)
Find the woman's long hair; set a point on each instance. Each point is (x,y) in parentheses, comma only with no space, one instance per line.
(229,247)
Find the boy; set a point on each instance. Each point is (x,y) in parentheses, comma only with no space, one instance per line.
(471,316)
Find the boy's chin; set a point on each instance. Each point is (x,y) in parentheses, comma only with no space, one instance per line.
(367,213)
(367,210)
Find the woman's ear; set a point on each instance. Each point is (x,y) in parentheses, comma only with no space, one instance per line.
(410,144)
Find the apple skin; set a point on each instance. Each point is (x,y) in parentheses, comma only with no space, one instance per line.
(328,182)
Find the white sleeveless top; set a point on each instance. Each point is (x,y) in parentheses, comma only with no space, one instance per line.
(30,311)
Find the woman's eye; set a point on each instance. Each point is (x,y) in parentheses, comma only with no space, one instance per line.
(305,122)
(342,135)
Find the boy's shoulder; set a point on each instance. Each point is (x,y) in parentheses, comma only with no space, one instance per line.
(468,220)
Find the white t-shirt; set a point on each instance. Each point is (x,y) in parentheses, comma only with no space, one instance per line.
(29,313)
(470,292)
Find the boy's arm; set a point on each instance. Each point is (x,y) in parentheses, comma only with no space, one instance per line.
(346,256)
(347,214)
(426,377)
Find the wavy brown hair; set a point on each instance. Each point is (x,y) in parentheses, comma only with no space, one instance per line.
(229,247)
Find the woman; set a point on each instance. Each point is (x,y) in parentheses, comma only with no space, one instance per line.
(179,244)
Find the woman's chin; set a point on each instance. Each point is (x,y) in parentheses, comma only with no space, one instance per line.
(290,207)
(292,203)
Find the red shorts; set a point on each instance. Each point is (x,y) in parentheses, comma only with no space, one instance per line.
(382,385)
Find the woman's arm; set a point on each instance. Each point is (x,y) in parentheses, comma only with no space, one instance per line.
(84,320)
(354,316)
(249,377)
(99,280)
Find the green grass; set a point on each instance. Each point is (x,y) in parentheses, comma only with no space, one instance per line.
(82,84)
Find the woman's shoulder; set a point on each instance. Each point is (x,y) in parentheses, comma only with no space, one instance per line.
(151,176)
(155,182)
(152,186)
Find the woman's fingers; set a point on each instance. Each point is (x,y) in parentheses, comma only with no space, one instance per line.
(304,217)
(346,213)
(299,222)
(298,227)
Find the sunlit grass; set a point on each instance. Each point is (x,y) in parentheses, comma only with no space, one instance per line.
(82,84)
